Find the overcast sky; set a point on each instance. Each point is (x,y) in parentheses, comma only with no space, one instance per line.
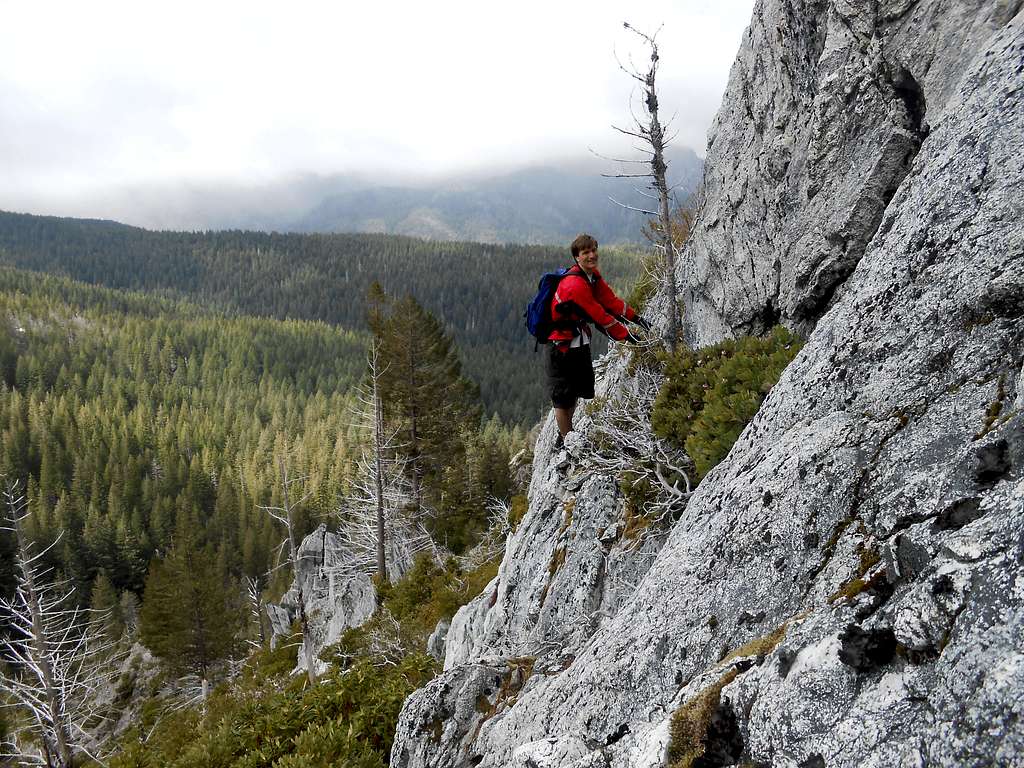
(97,96)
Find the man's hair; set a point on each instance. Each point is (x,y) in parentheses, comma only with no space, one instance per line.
(582,243)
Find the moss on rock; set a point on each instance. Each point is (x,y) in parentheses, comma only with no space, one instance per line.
(688,730)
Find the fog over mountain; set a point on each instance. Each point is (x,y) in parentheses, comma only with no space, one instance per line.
(545,203)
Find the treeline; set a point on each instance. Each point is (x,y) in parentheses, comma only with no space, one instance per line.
(477,291)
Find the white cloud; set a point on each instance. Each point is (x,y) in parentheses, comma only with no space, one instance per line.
(105,94)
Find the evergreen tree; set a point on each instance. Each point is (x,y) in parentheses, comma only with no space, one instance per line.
(190,615)
(423,390)
(107,606)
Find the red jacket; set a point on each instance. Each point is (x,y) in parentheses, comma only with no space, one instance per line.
(581,300)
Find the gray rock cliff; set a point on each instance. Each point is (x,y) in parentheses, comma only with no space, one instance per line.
(847,586)
(334,598)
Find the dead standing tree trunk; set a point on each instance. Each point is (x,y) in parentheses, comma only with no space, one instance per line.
(379,525)
(652,134)
(286,516)
(40,655)
(378,460)
(63,662)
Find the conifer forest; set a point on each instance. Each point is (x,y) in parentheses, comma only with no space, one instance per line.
(159,389)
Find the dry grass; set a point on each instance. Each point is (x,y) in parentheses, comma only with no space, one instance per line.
(689,727)
(760,646)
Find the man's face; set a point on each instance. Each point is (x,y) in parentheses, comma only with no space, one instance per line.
(588,259)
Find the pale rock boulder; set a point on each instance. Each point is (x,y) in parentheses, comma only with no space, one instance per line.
(334,599)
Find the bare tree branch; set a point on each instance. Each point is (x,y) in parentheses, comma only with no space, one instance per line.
(286,516)
(615,159)
(626,175)
(648,195)
(626,447)
(60,654)
(631,72)
(629,133)
(632,208)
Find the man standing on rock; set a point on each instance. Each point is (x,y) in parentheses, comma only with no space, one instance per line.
(582,298)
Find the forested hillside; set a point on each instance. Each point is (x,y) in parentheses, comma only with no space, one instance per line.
(478,291)
(132,418)
(135,423)
(151,439)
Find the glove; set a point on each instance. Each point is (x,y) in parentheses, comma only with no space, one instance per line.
(642,322)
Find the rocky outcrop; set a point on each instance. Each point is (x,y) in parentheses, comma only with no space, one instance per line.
(827,107)
(335,599)
(847,587)
(569,544)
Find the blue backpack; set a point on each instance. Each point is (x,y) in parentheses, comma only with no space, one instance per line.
(538,311)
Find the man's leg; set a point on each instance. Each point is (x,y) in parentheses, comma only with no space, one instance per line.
(579,373)
(560,385)
(563,417)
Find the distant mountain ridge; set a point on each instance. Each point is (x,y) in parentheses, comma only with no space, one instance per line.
(545,204)
(542,205)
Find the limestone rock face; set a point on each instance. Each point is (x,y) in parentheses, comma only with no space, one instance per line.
(847,587)
(566,569)
(334,600)
(827,107)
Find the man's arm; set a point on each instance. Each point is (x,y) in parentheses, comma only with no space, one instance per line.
(577,290)
(612,303)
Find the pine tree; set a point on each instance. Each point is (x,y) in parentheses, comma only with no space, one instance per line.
(423,390)
(105,603)
(190,614)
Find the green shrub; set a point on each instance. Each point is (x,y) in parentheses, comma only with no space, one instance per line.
(646,282)
(348,718)
(429,593)
(637,493)
(518,510)
(710,395)
(266,718)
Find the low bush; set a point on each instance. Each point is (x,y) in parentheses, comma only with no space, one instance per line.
(710,395)
(517,510)
(646,282)
(429,593)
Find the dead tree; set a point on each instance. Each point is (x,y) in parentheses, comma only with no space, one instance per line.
(362,522)
(254,597)
(378,456)
(60,659)
(381,517)
(652,134)
(626,447)
(286,516)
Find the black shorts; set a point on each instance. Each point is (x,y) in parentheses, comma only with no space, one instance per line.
(570,375)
